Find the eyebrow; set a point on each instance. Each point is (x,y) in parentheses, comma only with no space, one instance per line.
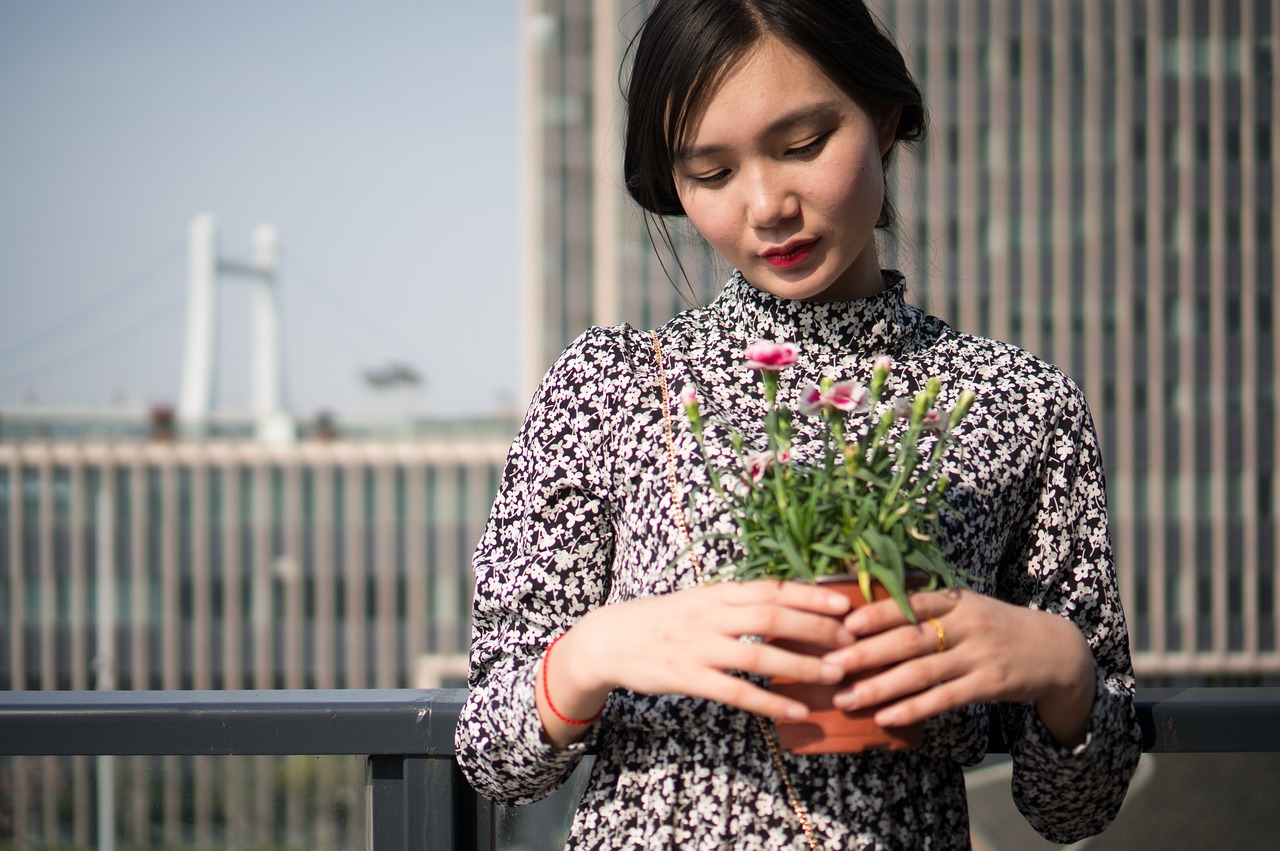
(779,125)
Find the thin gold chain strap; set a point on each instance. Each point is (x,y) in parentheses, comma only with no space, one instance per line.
(770,739)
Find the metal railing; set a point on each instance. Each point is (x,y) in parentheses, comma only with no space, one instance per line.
(416,796)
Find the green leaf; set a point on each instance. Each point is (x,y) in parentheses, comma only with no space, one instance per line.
(796,560)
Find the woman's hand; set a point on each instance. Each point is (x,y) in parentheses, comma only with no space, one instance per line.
(686,642)
(994,651)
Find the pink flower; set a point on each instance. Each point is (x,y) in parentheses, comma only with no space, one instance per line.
(770,356)
(902,407)
(847,396)
(884,362)
(758,463)
(933,420)
(811,401)
(688,396)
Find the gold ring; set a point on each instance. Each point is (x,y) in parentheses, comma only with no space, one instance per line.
(942,634)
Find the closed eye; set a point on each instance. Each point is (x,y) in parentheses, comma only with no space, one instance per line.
(811,147)
(711,179)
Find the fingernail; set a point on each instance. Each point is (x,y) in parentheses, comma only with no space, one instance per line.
(831,673)
(837,603)
(855,622)
(846,700)
(797,713)
(843,638)
(888,718)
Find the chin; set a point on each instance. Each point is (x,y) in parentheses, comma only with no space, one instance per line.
(806,288)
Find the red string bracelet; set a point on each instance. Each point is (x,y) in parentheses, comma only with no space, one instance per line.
(546,691)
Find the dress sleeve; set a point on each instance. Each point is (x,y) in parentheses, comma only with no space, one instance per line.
(1063,564)
(542,563)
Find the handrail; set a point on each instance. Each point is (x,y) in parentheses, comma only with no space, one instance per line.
(421,722)
(417,796)
(224,723)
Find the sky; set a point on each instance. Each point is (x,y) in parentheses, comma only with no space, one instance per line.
(380,138)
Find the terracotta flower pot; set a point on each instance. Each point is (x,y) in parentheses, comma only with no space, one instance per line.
(832,730)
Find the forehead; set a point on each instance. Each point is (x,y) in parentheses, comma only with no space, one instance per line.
(756,92)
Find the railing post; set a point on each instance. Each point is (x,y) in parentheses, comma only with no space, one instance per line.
(422,803)
(387,810)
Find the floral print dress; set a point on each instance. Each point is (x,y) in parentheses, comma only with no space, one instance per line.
(584,518)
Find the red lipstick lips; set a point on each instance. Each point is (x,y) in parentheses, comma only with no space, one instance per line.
(790,254)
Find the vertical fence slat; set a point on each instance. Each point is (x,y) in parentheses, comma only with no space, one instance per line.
(387,651)
(139,555)
(478,499)
(354,571)
(445,605)
(260,570)
(322,531)
(415,533)
(232,578)
(201,625)
(48,577)
(293,578)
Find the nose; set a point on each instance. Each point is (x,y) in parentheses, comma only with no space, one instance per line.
(770,199)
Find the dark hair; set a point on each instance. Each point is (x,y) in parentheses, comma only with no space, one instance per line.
(686,46)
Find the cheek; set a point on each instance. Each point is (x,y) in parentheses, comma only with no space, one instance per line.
(854,192)
(713,218)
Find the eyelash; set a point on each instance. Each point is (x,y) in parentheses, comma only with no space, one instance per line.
(803,150)
(811,147)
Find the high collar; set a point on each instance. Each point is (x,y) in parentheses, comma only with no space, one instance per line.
(880,324)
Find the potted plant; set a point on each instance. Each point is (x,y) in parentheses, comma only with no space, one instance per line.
(863,516)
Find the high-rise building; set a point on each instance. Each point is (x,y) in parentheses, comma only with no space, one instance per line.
(587,259)
(1098,186)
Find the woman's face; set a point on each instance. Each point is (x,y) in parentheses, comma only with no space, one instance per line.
(782,174)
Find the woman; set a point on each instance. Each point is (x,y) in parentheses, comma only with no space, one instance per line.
(769,124)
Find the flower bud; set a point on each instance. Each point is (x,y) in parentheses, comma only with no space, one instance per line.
(962,407)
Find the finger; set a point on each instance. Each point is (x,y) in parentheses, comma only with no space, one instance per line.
(745,695)
(798,595)
(886,614)
(899,681)
(928,704)
(769,660)
(778,621)
(892,646)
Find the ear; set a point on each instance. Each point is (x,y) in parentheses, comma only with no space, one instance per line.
(887,128)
